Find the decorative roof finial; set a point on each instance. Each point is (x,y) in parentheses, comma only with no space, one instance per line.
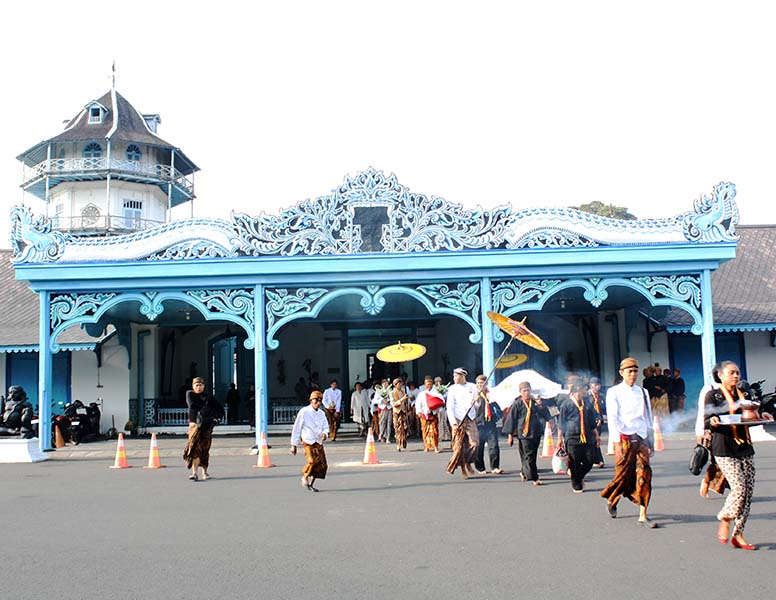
(113,75)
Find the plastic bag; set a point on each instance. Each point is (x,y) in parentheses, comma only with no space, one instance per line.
(560,461)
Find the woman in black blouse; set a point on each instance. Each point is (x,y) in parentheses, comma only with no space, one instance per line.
(732,448)
(204,414)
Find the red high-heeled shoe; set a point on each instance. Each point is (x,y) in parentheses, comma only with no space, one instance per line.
(736,544)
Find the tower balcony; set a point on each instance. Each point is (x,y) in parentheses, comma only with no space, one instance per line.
(101,225)
(61,170)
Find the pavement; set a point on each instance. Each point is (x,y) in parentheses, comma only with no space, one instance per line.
(73,528)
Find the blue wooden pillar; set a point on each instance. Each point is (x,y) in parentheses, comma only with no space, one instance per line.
(486,302)
(708,350)
(261,396)
(45,369)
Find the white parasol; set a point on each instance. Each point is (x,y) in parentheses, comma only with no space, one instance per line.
(506,391)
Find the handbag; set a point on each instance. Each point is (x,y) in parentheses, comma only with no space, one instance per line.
(698,459)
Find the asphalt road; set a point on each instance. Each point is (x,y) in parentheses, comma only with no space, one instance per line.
(73,528)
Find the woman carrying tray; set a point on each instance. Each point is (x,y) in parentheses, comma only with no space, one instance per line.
(733,450)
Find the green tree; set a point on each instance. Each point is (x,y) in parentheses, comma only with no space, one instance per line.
(606,210)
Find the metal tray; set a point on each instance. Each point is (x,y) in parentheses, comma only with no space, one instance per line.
(746,423)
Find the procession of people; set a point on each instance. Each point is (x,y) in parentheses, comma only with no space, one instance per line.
(397,410)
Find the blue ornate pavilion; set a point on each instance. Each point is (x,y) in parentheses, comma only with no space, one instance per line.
(373,251)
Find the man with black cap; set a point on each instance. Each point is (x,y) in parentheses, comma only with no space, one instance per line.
(630,420)
(461,411)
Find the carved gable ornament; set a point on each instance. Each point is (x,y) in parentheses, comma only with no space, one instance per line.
(374,213)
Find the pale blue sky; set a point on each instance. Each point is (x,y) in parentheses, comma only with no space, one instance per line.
(647,105)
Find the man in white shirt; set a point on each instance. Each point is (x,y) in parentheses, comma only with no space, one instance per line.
(461,410)
(310,428)
(332,403)
(630,419)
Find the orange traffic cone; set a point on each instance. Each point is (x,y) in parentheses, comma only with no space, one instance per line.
(659,447)
(153,455)
(121,455)
(370,455)
(548,449)
(263,461)
(59,441)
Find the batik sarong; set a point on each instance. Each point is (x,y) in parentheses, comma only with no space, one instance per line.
(632,473)
(198,446)
(430,428)
(316,461)
(465,442)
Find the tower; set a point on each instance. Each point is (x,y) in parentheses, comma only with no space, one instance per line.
(108,172)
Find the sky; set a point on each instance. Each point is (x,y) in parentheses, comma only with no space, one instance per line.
(642,105)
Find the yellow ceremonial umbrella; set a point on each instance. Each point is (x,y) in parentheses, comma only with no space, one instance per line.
(511,360)
(401,352)
(518,331)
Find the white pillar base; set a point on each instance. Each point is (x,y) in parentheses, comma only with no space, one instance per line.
(18,450)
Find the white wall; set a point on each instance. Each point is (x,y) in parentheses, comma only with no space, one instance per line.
(114,377)
(760,359)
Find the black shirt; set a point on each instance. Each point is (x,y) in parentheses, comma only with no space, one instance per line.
(570,423)
(515,420)
(723,440)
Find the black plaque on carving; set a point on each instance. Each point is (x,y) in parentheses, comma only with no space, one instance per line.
(371,219)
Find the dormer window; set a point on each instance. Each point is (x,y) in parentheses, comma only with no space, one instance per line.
(95,114)
(133,152)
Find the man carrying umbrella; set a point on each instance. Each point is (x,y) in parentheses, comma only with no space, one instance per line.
(461,411)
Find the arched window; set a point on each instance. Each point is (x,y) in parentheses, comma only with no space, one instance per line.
(93,150)
(133,152)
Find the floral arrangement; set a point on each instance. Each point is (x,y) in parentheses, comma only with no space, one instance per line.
(442,389)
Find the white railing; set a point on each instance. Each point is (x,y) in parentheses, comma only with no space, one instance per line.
(102,223)
(284,414)
(179,416)
(173,416)
(65,166)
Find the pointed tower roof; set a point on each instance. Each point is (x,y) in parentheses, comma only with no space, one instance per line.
(122,122)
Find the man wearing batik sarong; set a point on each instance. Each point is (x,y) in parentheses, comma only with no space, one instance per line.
(428,419)
(332,404)
(400,405)
(311,428)
(630,419)
(461,411)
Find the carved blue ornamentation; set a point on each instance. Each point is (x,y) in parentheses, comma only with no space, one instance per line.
(715,217)
(462,298)
(32,239)
(67,307)
(373,213)
(681,291)
(281,304)
(284,305)
(553,238)
(234,305)
(685,288)
(510,294)
(237,302)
